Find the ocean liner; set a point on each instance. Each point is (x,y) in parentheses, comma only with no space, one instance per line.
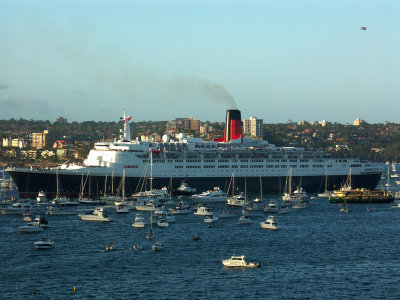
(202,164)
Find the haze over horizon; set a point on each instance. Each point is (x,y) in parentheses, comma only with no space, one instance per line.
(159,60)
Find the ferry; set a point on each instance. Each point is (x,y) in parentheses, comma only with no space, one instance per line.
(361,195)
(201,164)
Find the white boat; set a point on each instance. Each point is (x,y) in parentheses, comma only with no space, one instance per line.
(182,209)
(148,204)
(64,208)
(270,223)
(239,262)
(215,195)
(237,200)
(163,223)
(40,222)
(158,246)
(299,204)
(122,208)
(17,208)
(271,207)
(44,243)
(396,204)
(98,215)
(139,221)
(211,219)
(29,228)
(325,193)
(205,163)
(185,189)
(245,219)
(163,214)
(203,211)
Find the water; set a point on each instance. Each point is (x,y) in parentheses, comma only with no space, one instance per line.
(319,254)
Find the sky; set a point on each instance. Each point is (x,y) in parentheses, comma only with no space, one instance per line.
(277,60)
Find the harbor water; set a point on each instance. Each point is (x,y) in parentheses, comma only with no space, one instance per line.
(319,253)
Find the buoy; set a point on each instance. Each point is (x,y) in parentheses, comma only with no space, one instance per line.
(74,289)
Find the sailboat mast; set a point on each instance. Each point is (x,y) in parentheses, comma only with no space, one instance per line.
(151,170)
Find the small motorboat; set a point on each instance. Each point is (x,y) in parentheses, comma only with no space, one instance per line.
(158,246)
(163,223)
(245,218)
(27,217)
(44,243)
(211,219)
(139,221)
(271,207)
(136,248)
(122,208)
(196,238)
(40,222)
(239,262)
(270,223)
(29,228)
(110,246)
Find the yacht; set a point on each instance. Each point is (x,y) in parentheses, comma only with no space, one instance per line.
(17,208)
(182,208)
(44,243)
(215,195)
(270,223)
(29,228)
(185,189)
(211,219)
(271,207)
(203,211)
(158,246)
(239,262)
(139,221)
(98,215)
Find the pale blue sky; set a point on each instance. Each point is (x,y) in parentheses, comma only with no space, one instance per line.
(276,60)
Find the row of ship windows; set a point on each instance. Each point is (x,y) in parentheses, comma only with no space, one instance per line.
(235,160)
(247,166)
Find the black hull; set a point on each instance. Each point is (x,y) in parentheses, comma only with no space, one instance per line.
(29,183)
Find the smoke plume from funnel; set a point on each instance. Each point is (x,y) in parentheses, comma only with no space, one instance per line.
(197,87)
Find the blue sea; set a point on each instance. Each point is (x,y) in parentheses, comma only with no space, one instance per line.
(319,253)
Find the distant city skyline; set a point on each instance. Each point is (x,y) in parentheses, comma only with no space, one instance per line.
(161,60)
